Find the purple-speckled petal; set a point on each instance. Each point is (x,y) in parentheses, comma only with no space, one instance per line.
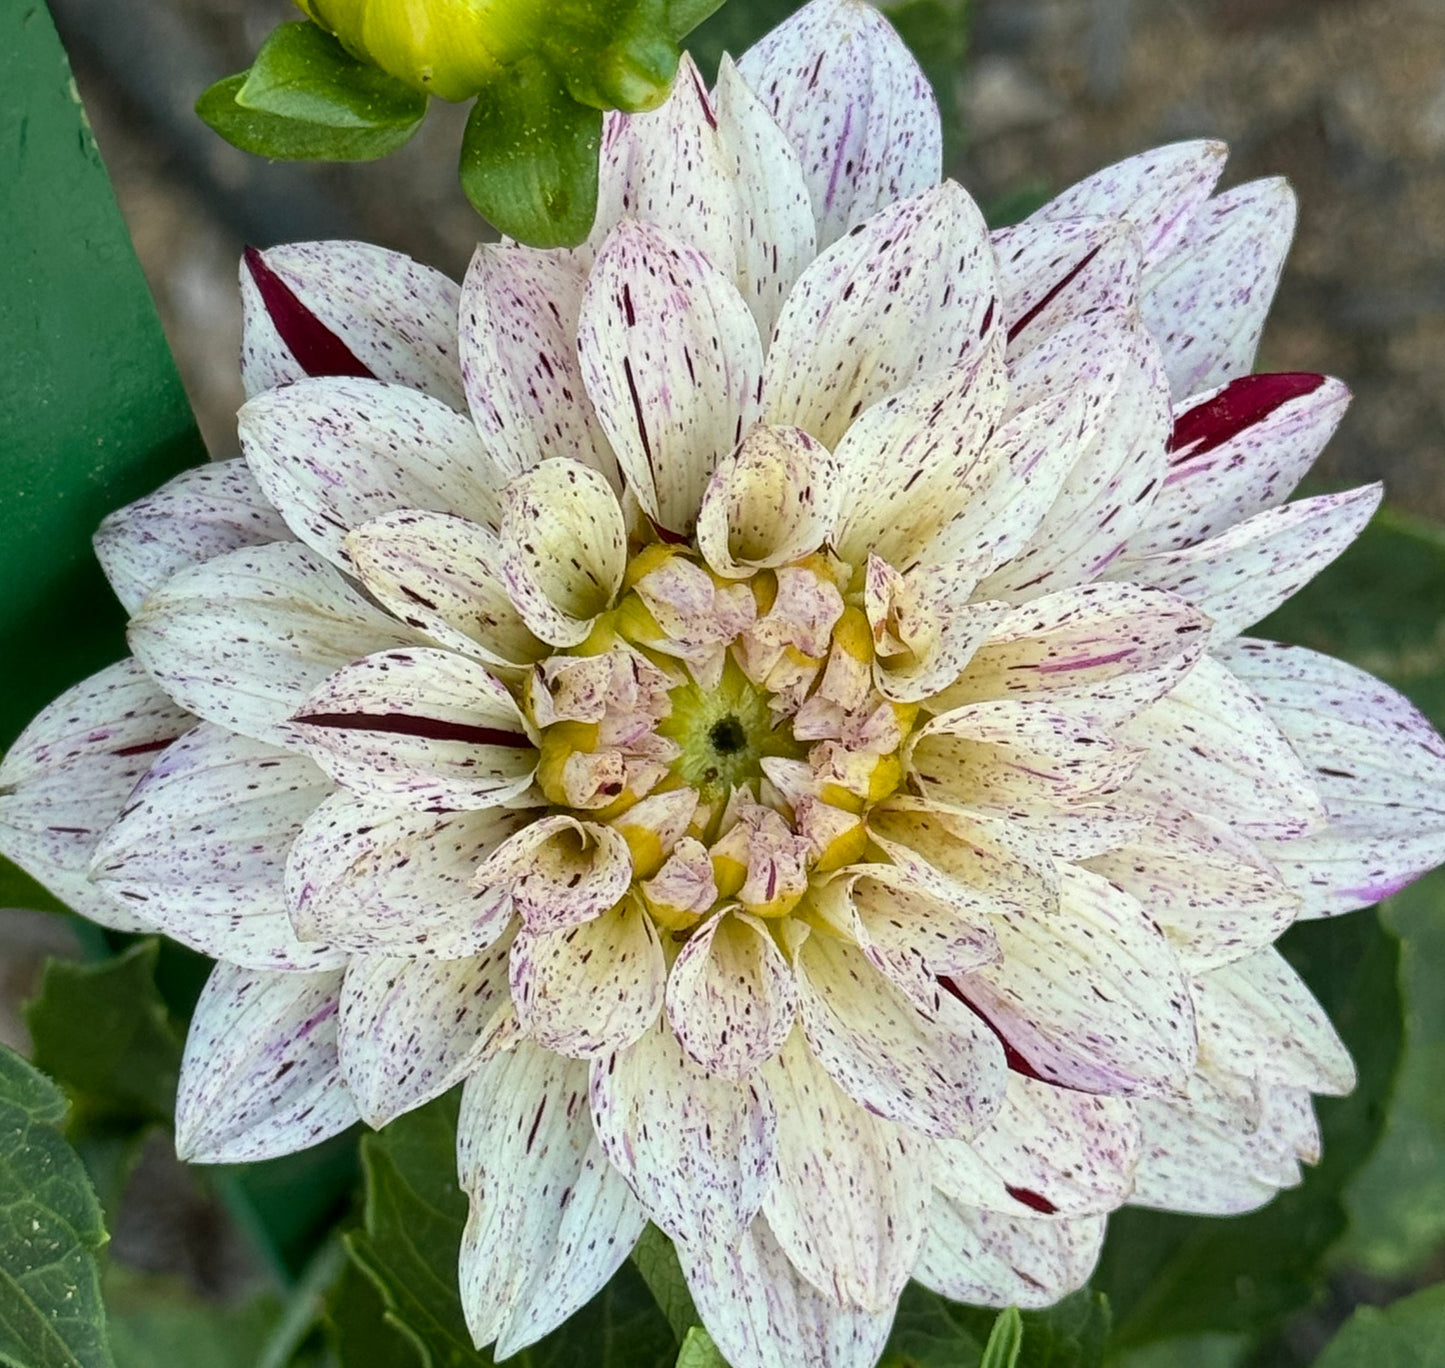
(559,872)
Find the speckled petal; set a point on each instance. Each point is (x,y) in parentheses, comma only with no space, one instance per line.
(550,1220)
(987,1258)
(939,1073)
(1236,451)
(908,466)
(348,308)
(851,1193)
(1207,299)
(1093,998)
(671,357)
(260,1076)
(199,514)
(856,106)
(1158,192)
(444,576)
(564,547)
(373,879)
(1379,767)
(912,292)
(68,775)
(1050,1151)
(332,454)
(591,989)
(1244,574)
(731,998)
(422,728)
(410,1029)
(1051,273)
(768,503)
(698,1150)
(1210,747)
(200,847)
(559,872)
(242,639)
(519,312)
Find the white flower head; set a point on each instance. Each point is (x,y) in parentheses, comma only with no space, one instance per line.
(760,700)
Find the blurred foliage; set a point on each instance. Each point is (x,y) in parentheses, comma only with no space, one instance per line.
(1408,1334)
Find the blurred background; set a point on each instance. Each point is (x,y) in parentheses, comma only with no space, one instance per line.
(1344,97)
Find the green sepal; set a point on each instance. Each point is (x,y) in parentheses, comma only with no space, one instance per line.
(302,72)
(283,139)
(614,57)
(529,158)
(685,15)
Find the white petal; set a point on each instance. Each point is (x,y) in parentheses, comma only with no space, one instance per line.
(856,106)
(1210,747)
(1244,574)
(852,1190)
(1236,451)
(911,292)
(377,880)
(519,312)
(560,872)
(1051,273)
(348,308)
(696,1149)
(593,988)
(671,358)
(200,848)
(551,1220)
(260,1077)
(1258,1019)
(444,576)
(907,465)
(941,1073)
(1158,192)
(731,998)
(1379,767)
(1050,1151)
(199,514)
(410,1029)
(564,545)
(1207,299)
(986,1258)
(68,775)
(768,503)
(423,728)
(242,639)
(1093,998)
(334,453)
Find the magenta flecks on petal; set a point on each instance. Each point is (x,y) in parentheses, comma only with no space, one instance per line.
(317,349)
(1239,405)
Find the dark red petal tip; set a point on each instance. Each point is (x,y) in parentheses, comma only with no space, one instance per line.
(318,350)
(1239,405)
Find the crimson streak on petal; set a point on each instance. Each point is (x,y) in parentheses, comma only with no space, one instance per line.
(1239,405)
(428,728)
(318,350)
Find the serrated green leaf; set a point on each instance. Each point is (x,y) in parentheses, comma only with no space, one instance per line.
(1005,1340)
(302,72)
(529,158)
(102,1031)
(1409,1333)
(94,410)
(698,1351)
(656,1260)
(286,139)
(50,1229)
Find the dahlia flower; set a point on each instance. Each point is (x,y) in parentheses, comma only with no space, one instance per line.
(760,700)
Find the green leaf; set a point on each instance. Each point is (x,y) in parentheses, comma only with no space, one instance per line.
(414,1214)
(1409,1333)
(529,158)
(1170,1275)
(50,1229)
(656,1260)
(302,72)
(94,410)
(357,1330)
(931,1332)
(288,139)
(698,1351)
(161,1323)
(103,1032)
(1005,1341)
